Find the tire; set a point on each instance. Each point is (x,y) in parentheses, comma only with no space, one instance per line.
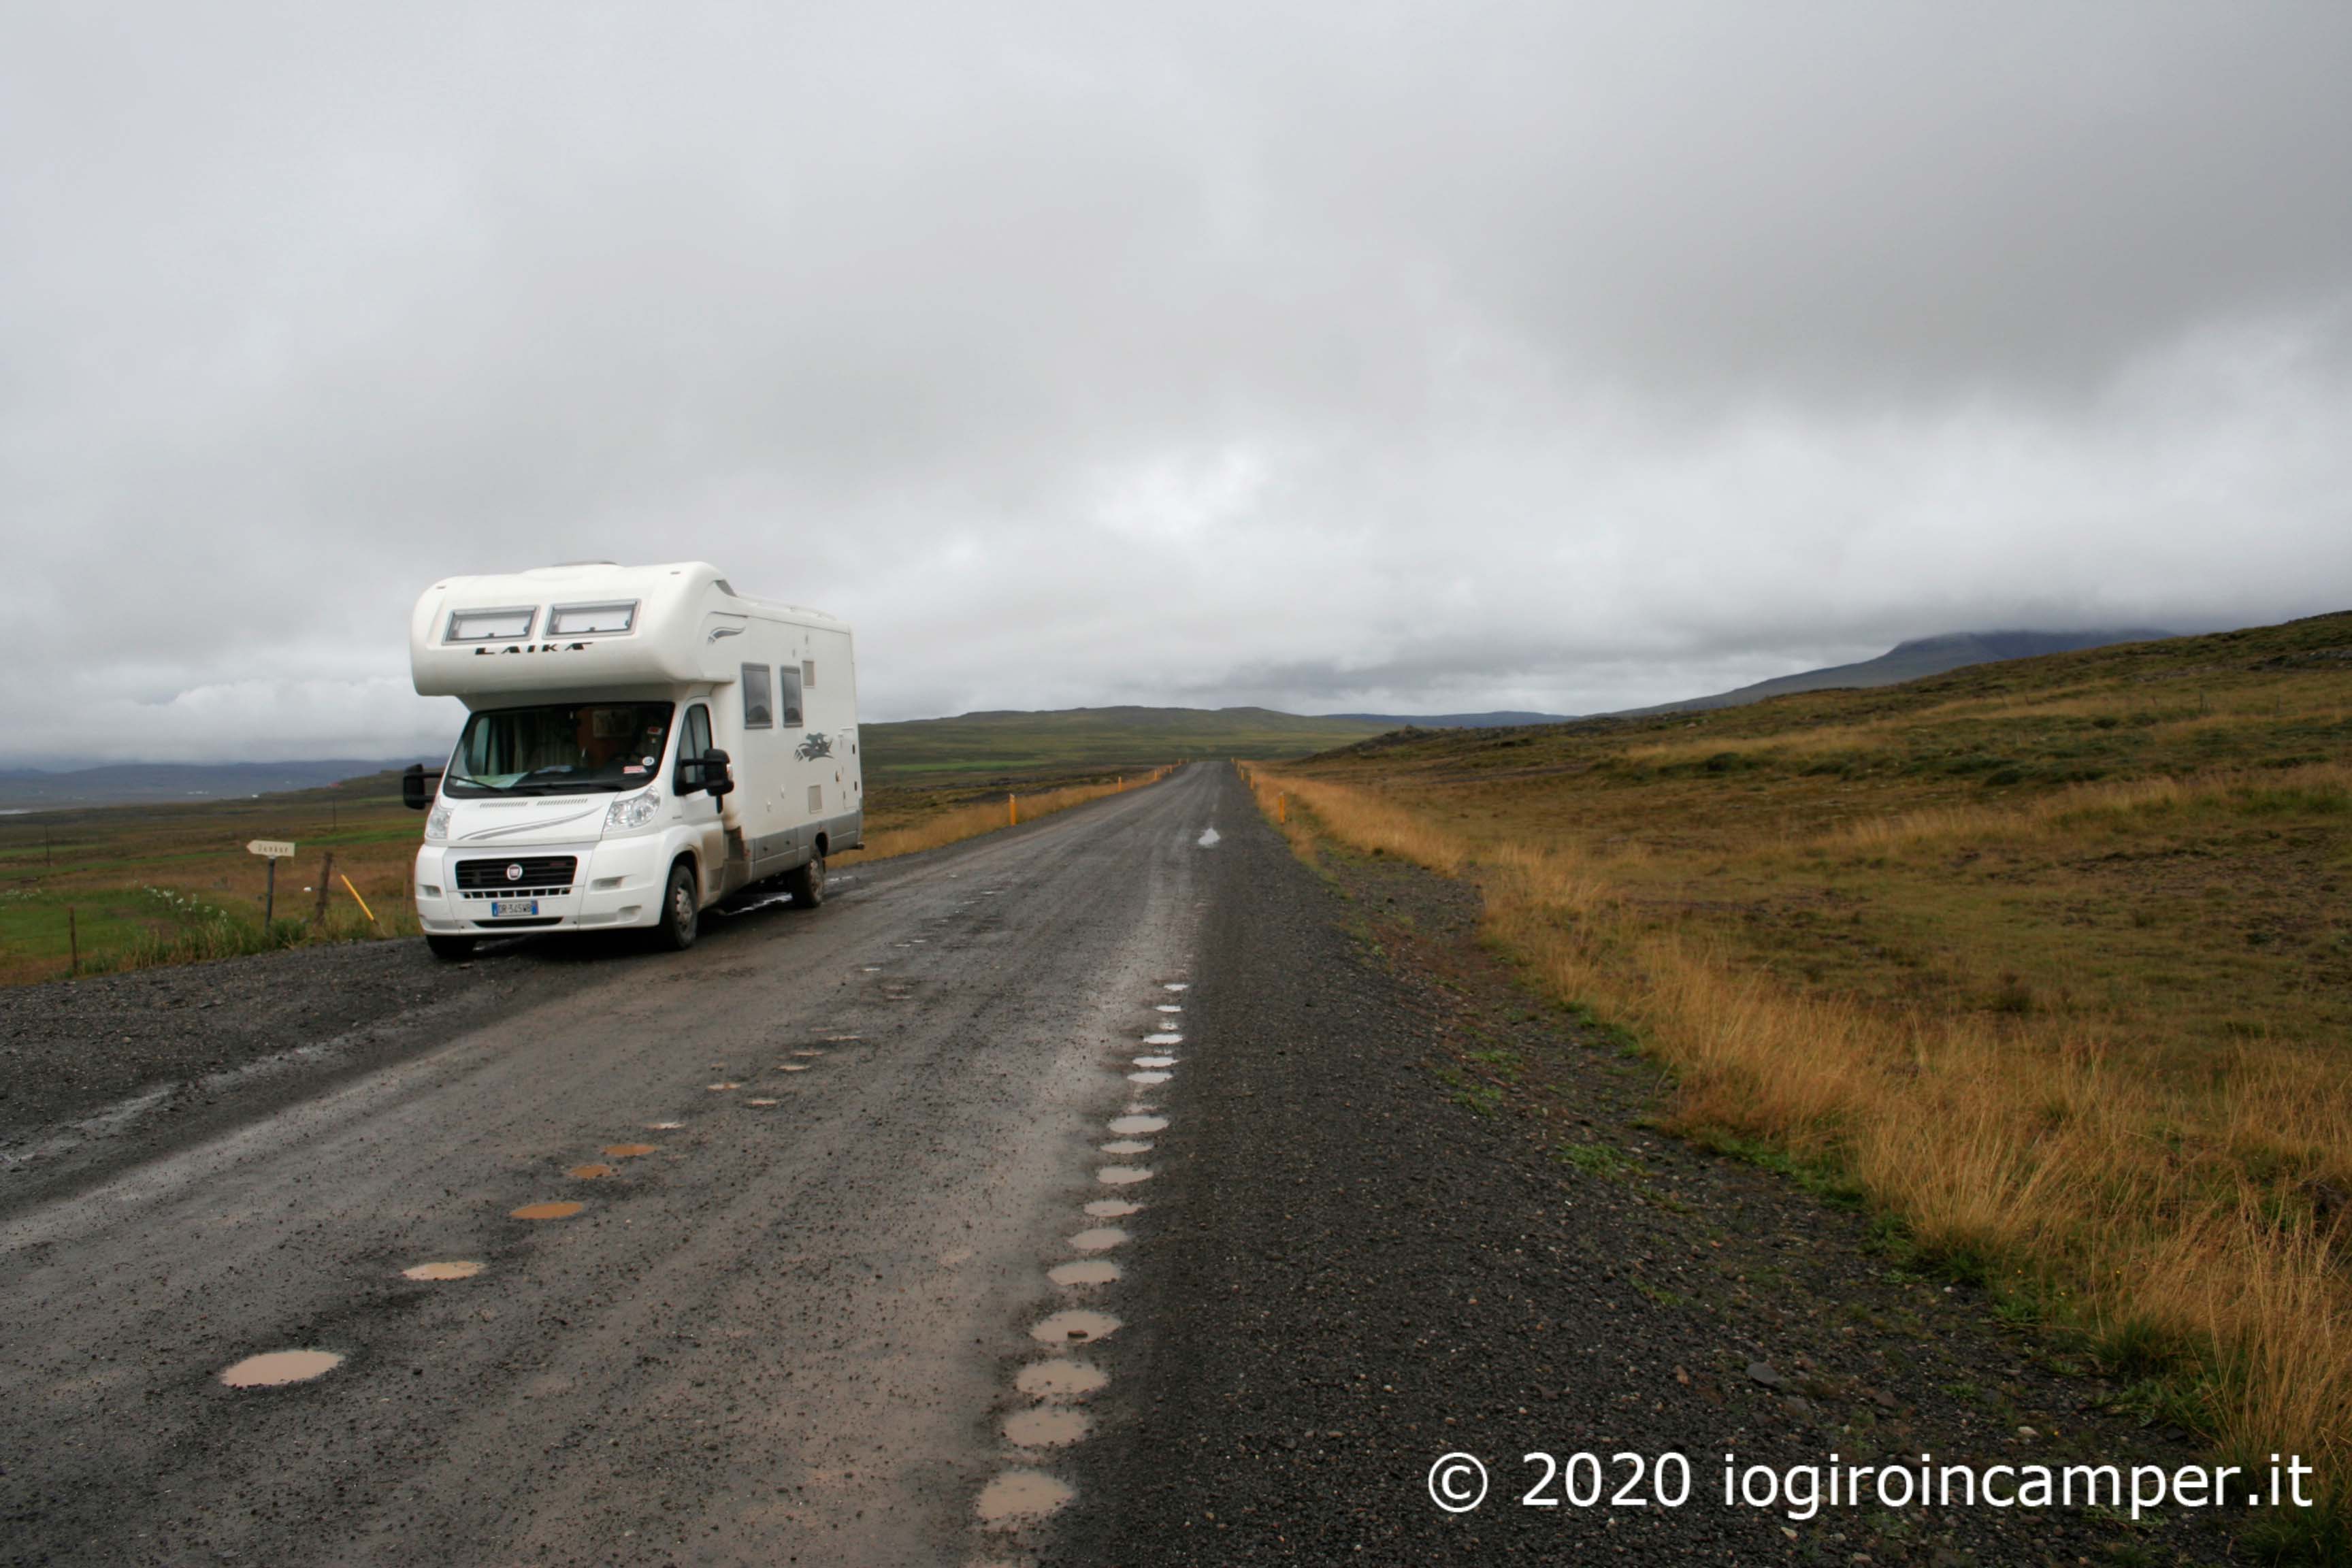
(806,883)
(451,947)
(681,922)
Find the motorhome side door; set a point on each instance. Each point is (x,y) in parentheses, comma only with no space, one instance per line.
(701,809)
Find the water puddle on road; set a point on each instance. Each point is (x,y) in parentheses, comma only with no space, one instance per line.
(630,1150)
(457,1268)
(1122,1176)
(1099,1239)
(1061,1378)
(273,1369)
(1163,1038)
(1148,1078)
(1113,1209)
(1047,1427)
(1077,1326)
(1208,839)
(794,1066)
(661,1127)
(1126,1146)
(545,1211)
(722,1088)
(1155,1061)
(590,1173)
(1126,1126)
(1019,1497)
(1175,985)
(762,1104)
(1168,1008)
(1083,1271)
(810,1052)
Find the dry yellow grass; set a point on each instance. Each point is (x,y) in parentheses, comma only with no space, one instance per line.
(2145,1209)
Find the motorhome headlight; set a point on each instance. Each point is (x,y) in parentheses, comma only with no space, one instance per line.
(632,810)
(436,824)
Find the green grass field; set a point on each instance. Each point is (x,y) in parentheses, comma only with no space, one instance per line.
(977,747)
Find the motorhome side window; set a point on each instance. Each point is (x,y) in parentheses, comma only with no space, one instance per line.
(788,677)
(757,713)
(693,738)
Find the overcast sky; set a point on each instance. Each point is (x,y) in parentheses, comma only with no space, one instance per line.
(1355,356)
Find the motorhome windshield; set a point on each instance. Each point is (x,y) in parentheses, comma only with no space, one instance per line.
(561,748)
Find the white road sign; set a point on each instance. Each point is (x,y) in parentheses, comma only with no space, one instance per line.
(274,848)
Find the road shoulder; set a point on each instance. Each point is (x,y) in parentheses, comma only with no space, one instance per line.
(1408,1209)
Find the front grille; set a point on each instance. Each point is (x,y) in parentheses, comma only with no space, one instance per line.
(542,874)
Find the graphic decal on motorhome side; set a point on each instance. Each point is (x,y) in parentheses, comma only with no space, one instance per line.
(817,744)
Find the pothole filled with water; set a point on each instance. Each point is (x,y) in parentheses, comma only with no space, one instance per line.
(1147,1077)
(1047,1426)
(1018,1497)
(1083,1272)
(1163,1038)
(1127,1146)
(1122,1176)
(546,1210)
(1099,1238)
(1155,1061)
(1126,1126)
(1113,1209)
(1077,1326)
(590,1173)
(629,1151)
(1061,1378)
(273,1369)
(454,1268)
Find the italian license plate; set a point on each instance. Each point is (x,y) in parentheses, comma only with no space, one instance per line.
(500,908)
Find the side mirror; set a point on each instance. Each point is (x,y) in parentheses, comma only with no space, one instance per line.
(413,794)
(716,777)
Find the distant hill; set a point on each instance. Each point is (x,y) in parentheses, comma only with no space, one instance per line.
(1502,719)
(979,743)
(1910,661)
(129,783)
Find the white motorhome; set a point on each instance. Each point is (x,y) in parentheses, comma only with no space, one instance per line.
(640,743)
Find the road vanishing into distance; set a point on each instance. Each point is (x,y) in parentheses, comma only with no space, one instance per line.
(821,1162)
(1116,1190)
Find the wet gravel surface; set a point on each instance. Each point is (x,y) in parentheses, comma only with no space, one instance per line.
(751,1240)
(1348,1271)
(162,1056)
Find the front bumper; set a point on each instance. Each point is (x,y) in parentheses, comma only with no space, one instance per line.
(615,882)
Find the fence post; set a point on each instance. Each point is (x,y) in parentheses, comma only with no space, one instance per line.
(326,880)
(270,898)
(73,943)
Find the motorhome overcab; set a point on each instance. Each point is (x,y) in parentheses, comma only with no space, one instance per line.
(640,743)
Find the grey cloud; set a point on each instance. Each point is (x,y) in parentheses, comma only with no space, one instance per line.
(1446,356)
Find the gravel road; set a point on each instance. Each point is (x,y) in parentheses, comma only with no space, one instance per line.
(1114,1191)
(785,1333)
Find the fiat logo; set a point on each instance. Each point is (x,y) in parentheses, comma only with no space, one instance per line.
(514,873)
